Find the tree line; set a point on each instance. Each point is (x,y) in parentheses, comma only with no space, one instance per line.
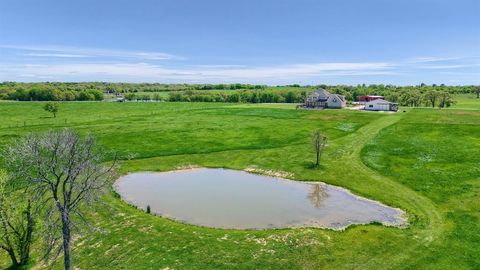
(52,94)
(7,88)
(245,96)
(405,95)
(411,98)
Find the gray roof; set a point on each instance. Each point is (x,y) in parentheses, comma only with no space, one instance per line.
(322,94)
(319,95)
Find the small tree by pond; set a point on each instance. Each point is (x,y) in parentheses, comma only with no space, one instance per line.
(319,142)
(51,107)
(67,171)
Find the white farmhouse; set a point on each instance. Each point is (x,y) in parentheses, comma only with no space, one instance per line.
(381,105)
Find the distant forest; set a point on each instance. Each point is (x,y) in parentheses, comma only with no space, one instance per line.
(248,93)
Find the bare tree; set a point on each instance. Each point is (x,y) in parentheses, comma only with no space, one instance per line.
(67,171)
(16,223)
(318,141)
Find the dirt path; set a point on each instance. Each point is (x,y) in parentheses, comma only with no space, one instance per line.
(387,190)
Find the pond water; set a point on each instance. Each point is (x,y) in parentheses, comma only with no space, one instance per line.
(221,198)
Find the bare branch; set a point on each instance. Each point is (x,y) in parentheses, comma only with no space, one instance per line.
(64,170)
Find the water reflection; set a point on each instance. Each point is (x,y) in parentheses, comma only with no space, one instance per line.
(317,195)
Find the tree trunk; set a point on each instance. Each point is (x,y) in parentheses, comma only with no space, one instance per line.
(318,158)
(11,253)
(8,247)
(25,249)
(66,238)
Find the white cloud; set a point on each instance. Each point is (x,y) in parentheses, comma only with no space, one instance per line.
(445,66)
(443,62)
(221,66)
(151,72)
(78,52)
(55,55)
(429,59)
(85,64)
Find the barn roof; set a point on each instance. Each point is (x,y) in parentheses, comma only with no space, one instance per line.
(379,101)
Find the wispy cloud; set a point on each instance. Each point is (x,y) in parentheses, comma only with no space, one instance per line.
(77,52)
(443,62)
(447,66)
(220,66)
(59,63)
(152,72)
(430,59)
(55,55)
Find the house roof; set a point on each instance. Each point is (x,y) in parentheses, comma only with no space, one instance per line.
(340,97)
(320,94)
(376,101)
(323,95)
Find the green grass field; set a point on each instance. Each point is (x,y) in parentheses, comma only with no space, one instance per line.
(425,161)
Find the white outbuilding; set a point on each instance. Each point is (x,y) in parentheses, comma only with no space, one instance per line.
(381,105)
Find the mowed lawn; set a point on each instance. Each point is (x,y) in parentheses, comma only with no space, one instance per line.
(425,161)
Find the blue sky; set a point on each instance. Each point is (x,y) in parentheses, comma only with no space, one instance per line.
(248,41)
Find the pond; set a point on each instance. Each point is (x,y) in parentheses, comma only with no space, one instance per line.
(221,198)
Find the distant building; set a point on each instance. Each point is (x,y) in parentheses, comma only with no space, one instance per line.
(322,99)
(364,99)
(381,105)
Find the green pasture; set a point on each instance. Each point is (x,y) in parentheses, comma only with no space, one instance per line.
(425,161)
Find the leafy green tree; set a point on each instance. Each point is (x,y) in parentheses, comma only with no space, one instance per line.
(20,94)
(145,97)
(414,98)
(97,94)
(51,107)
(431,97)
(86,96)
(445,100)
(290,97)
(174,96)
(130,96)
(69,96)
(156,97)
(393,97)
(235,97)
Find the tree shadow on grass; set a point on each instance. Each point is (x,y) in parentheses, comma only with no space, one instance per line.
(17,267)
(312,166)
